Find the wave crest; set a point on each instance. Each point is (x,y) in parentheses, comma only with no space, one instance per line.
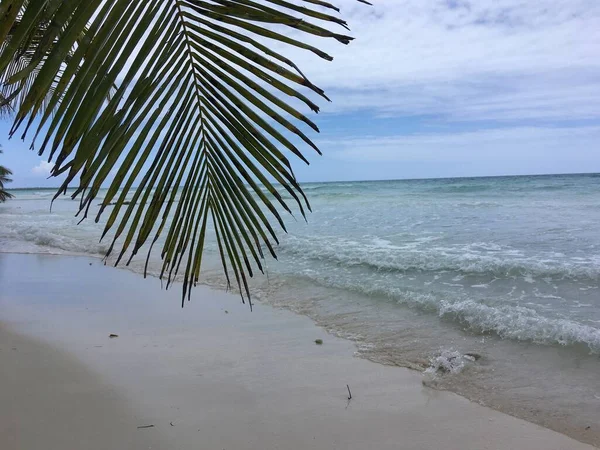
(473,258)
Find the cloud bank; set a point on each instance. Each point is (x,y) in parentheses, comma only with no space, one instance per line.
(511,144)
(506,60)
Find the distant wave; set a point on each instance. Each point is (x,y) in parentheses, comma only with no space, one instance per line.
(321,186)
(335,195)
(461,189)
(551,187)
(476,204)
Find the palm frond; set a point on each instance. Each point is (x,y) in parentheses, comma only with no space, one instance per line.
(22,70)
(17,78)
(4,178)
(203,113)
(4,195)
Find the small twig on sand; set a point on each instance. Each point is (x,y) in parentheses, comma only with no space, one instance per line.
(145,426)
(349,393)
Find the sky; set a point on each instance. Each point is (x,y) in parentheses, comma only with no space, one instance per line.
(442,88)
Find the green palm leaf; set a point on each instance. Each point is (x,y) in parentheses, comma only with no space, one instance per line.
(17,77)
(198,129)
(4,178)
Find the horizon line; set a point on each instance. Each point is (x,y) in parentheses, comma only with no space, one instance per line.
(383,180)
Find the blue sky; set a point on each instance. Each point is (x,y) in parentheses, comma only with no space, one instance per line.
(441,88)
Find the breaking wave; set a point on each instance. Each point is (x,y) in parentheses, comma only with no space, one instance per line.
(472,258)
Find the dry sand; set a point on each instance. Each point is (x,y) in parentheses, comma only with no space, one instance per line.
(205,378)
(48,400)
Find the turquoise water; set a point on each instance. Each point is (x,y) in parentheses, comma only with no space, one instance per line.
(419,273)
(519,256)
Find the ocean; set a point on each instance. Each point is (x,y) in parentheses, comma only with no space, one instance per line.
(490,286)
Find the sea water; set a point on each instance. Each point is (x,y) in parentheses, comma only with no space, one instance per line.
(488,285)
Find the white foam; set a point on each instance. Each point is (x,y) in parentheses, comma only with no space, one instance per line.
(420,254)
(522,324)
(446,361)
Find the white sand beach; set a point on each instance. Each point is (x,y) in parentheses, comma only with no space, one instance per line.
(210,376)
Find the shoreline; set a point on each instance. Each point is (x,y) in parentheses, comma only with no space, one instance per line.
(239,379)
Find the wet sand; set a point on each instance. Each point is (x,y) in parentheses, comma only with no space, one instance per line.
(212,375)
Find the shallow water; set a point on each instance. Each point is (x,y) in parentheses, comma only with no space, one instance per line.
(417,272)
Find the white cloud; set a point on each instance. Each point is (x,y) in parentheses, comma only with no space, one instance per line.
(43,168)
(484,59)
(525,144)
